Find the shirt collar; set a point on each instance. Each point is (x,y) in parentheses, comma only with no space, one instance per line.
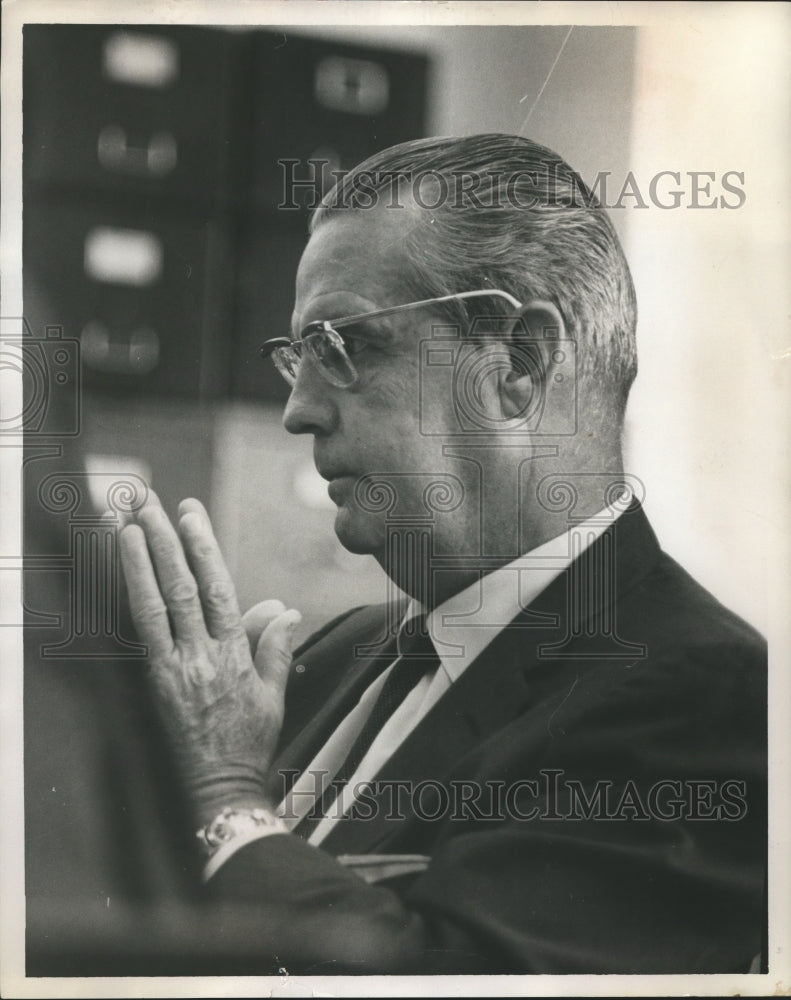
(464,625)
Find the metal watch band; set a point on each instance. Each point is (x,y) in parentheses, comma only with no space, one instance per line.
(231,823)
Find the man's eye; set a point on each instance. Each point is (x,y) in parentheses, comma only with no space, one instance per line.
(356,337)
(353,344)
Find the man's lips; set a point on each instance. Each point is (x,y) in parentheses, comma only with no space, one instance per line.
(339,485)
(331,474)
(339,479)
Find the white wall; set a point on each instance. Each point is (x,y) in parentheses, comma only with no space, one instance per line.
(709,418)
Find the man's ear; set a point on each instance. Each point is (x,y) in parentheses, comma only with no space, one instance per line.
(533,336)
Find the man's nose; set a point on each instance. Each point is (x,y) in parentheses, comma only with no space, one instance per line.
(311,407)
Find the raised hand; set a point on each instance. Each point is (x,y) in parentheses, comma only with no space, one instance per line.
(219,680)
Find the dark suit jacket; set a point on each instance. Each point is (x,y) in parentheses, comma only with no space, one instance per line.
(624,688)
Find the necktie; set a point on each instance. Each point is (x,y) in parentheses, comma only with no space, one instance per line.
(416,658)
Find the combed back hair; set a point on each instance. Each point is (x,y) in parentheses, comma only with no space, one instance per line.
(500,211)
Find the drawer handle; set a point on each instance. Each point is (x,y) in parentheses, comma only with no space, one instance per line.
(156,159)
(136,356)
(356,86)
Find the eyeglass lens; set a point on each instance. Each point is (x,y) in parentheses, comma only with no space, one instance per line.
(326,349)
(287,363)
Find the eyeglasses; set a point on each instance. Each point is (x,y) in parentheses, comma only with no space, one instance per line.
(326,347)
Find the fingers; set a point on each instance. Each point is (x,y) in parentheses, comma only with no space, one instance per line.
(193,506)
(258,617)
(217,592)
(145,600)
(273,653)
(124,517)
(190,581)
(176,583)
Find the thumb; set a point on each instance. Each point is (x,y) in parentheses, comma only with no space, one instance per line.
(258,617)
(273,653)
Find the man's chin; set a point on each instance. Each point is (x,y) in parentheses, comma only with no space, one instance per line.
(358,534)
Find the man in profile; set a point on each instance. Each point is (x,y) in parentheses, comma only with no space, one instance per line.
(549,755)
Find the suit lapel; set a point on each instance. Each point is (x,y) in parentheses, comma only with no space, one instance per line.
(325,683)
(492,692)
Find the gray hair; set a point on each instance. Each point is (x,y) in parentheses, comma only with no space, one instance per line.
(500,211)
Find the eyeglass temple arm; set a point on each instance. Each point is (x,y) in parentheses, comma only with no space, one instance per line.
(271,345)
(391,310)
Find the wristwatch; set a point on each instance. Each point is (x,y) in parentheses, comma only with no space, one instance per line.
(232,823)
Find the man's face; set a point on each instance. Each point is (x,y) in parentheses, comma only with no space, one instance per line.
(352,265)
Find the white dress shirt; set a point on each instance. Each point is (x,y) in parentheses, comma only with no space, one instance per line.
(460,629)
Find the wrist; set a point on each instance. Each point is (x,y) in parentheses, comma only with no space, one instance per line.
(232,785)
